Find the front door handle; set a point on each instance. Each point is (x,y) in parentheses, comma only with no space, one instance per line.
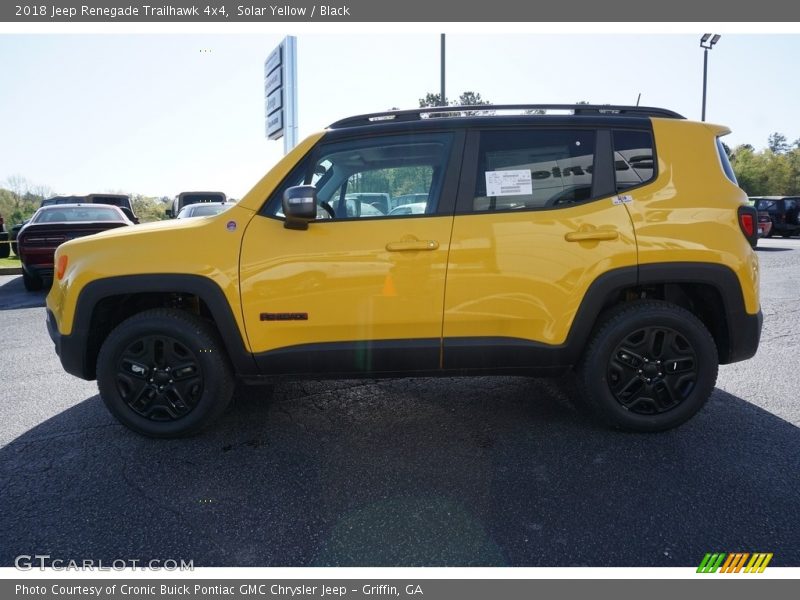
(592,236)
(412,245)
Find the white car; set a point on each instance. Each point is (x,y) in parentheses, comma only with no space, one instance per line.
(417,208)
(203,209)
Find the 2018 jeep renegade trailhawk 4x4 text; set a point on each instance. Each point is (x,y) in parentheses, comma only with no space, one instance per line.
(609,240)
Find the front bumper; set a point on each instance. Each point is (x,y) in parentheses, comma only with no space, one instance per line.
(69,349)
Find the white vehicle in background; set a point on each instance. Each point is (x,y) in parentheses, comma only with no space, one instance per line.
(417,208)
(186,198)
(203,209)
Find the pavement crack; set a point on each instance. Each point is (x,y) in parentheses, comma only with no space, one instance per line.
(48,438)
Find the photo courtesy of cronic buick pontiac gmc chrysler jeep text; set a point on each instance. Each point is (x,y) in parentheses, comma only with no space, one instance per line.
(610,240)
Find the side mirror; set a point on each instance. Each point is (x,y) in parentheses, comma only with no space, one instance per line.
(169,214)
(299,206)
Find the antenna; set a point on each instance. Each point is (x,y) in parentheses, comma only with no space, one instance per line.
(639,98)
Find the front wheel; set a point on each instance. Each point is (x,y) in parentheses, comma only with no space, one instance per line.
(163,373)
(650,366)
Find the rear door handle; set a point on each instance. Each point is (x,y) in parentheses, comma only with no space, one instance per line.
(592,236)
(412,245)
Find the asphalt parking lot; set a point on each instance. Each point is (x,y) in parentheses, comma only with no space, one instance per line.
(414,472)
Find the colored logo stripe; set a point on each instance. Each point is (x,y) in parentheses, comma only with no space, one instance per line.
(758,563)
(733,563)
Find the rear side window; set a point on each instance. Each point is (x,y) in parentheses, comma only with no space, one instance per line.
(726,164)
(634,163)
(533,169)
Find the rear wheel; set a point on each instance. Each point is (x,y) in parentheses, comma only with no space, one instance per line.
(32,283)
(163,373)
(650,366)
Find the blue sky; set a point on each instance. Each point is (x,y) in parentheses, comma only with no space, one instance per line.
(161,113)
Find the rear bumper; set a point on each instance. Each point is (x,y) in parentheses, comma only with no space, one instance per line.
(40,271)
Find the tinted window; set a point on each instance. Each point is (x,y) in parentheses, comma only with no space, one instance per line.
(633,158)
(201,210)
(533,169)
(369,178)
(194,198)
(726,165)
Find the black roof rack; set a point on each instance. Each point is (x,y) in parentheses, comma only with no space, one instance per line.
(417,114)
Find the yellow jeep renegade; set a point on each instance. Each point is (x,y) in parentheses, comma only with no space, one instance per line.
(606,239)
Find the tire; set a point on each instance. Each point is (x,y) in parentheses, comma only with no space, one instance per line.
(624,376)
(32,283)
(5,248)
(137,367)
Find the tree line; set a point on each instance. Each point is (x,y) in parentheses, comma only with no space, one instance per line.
(19,199)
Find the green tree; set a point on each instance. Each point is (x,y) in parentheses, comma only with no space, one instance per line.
(777,143)
(467,98)
(767,173)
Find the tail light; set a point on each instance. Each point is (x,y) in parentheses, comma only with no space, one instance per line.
(748,217)
(43,240)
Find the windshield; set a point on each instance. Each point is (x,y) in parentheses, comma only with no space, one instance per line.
(69,214)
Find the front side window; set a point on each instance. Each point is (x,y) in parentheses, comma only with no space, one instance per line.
(533,169)
(373,178)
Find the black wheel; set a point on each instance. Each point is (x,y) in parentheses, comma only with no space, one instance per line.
(32,283)
(650,366)
(163,373)
(5,248)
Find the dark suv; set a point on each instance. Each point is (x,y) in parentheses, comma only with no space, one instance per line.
(784,212)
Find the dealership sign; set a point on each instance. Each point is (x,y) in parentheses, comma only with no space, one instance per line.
(280,93)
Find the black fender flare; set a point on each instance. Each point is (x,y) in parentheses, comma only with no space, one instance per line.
(74,348)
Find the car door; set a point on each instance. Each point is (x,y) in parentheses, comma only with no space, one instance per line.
(358,290)
(538,221)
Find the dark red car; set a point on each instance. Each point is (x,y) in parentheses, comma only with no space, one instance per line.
(53,225)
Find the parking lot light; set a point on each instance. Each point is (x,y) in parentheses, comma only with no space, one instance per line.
(707,42)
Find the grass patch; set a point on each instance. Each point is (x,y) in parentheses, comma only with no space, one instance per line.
(11,261)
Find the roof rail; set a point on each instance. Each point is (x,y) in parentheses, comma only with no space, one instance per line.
(417,114)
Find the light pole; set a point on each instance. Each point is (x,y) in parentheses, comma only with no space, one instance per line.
(706,43)
(442,101)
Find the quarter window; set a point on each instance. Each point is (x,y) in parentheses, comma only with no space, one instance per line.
(533,169)
(633,158)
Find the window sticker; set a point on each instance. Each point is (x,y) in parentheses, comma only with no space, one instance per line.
(624,199)
(508,183)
